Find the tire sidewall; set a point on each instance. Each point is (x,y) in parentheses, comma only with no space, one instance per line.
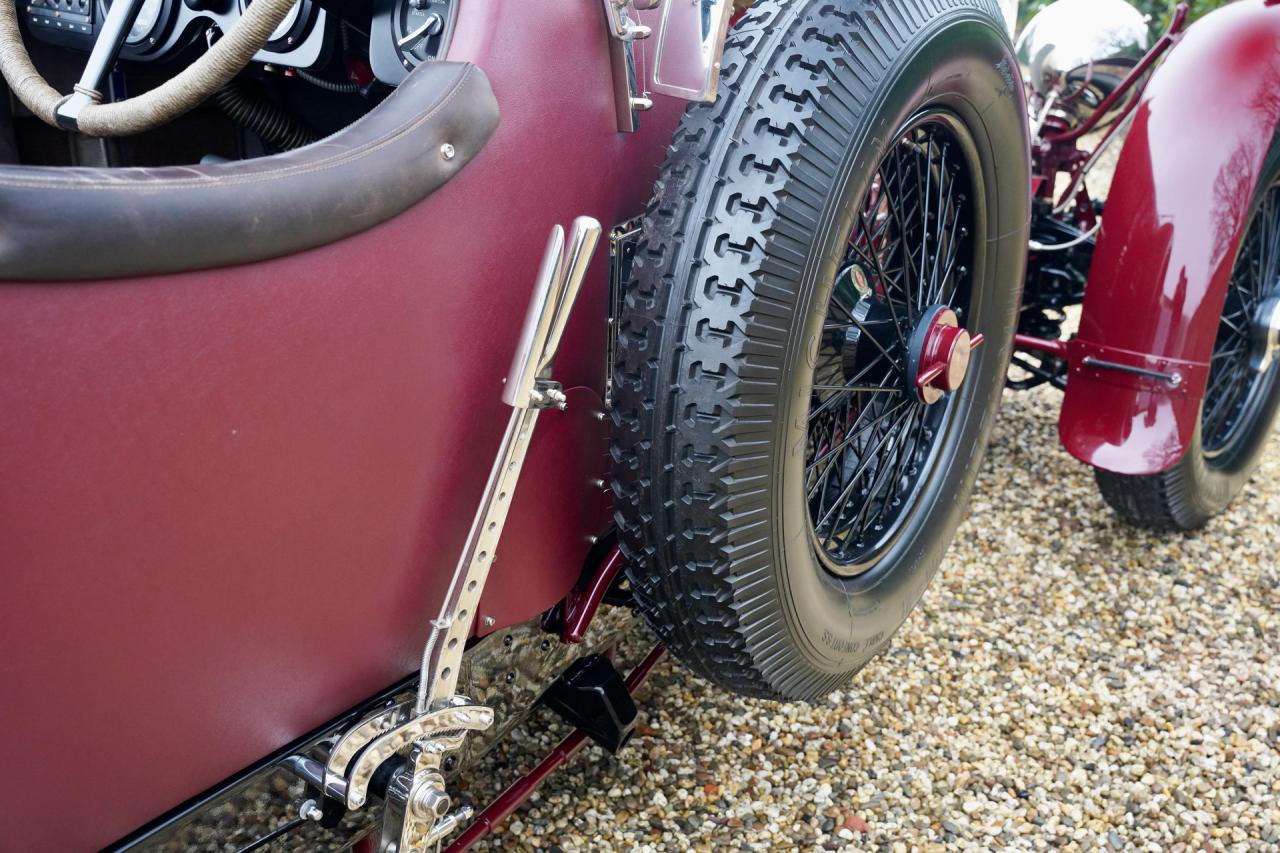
(1203,489)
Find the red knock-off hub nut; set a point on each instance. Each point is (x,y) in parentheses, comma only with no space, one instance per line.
(940,353)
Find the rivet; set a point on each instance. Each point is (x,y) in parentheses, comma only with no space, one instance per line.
(447,151)
(488,621)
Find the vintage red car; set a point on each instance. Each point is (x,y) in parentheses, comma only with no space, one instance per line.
(321,465)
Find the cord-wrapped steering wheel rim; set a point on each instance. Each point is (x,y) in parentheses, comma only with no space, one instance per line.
(181,93)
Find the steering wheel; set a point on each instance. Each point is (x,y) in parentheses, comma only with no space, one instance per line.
(84,111)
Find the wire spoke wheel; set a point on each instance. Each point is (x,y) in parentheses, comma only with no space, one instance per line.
(1239,374)
(799,417)
(874,420)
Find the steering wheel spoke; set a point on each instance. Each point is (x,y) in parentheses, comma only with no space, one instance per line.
(106,49)
(83,111)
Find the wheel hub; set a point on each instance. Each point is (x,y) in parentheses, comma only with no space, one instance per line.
(940,354)
(873,333)
(1266,334)
(891,349)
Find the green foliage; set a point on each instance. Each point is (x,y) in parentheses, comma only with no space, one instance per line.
(1158,12)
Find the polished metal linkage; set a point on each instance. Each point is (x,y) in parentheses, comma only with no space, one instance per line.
(437,721)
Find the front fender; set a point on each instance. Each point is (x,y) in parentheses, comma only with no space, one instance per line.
(1174,218)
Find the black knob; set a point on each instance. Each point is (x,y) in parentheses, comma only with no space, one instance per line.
(215,6)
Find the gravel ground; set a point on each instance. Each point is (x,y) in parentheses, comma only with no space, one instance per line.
(1067,682)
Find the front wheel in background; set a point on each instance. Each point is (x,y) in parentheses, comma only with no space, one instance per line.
(1241,396)
(813,347)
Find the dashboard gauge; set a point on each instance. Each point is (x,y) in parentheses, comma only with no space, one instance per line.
(288,22)
(145,23)
(419,28)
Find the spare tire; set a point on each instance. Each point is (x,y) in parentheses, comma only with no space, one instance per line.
(800,404)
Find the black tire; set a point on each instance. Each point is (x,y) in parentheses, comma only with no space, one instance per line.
(1240,404)
(725,314)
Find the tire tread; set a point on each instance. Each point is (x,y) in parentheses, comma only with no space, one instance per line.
(724,237)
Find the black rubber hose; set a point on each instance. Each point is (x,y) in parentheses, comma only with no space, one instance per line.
(275,127)
(328,85)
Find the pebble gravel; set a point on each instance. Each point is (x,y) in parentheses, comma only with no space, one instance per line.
(1068,682)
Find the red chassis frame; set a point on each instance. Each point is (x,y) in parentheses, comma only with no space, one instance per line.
(232,497)
(1174,218)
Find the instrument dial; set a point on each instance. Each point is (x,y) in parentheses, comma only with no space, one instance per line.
(419,27)
(145,22)
(290,20)
(146,25)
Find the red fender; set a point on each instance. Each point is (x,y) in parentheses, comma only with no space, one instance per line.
(1173,222)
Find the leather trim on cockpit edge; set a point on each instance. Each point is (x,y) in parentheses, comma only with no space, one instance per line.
(60,224)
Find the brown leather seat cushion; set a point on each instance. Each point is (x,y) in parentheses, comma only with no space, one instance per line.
(59,224)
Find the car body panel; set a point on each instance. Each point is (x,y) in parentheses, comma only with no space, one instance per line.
(232,498)
(1174,218)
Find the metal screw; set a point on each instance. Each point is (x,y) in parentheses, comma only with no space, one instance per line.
(310,811)
(507,641)
(488,621)
(511,676)
(447,151)
(451,762)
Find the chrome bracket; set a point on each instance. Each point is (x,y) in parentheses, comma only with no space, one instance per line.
(437,721)
(689,49)
(621,26)
(629,94)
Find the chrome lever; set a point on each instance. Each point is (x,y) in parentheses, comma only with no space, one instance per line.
(559,278)
(437,719)
(583,237)
(529,389)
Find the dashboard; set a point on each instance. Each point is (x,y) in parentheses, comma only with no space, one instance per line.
(402,33)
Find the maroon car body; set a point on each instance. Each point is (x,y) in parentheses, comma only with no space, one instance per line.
(1176,211)
(229,496)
